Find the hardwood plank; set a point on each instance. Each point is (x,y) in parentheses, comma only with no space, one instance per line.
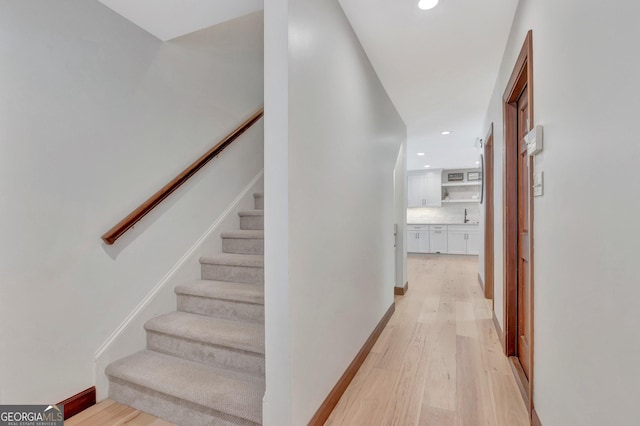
(111,413)
(439,360)
(84,415)
(366,403)
(403,408)
(441,376)
(324,411)
(432,416)
(473,399)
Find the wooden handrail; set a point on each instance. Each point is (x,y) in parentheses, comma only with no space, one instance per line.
(125,224)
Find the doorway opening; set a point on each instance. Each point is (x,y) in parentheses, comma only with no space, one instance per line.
(488,215)
(518,223)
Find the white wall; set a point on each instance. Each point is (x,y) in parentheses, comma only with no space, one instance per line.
(276,407)
(95,116)
(400,215)
(586,224)
(338,160)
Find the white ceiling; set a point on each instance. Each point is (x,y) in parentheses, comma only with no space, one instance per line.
(438,66)
(168,19)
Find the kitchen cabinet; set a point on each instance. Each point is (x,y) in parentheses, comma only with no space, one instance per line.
(463,239)
(473,242)
(424,189)
(444,239)
(418,238)
(438,239)
(457,241)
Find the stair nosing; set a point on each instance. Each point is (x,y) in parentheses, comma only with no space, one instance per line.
(246,379)
(189,289)
(243,234)
(234,259)
(254,212)
(152,326)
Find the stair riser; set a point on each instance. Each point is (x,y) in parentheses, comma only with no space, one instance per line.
(259,203)
(170,408)
(243,245)
(217,356)
(252,222)
(238,274)
(225,309)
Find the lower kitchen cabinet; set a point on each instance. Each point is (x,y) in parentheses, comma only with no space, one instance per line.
(463,240)
(418,239)
(438,239)
(457,241)
(444,239)
(473,242)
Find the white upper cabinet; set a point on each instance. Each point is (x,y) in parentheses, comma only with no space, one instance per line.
(425,188)
(415,185)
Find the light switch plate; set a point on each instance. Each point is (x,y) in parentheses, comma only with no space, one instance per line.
(533,139)
(538,184)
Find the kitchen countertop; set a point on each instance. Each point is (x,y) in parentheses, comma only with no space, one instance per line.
(440,223)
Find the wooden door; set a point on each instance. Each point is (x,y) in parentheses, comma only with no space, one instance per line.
(519,285)
(524,186)
(488,215)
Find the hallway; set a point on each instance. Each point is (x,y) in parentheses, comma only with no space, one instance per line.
(438,362)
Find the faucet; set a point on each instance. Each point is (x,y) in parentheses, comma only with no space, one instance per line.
(466,219)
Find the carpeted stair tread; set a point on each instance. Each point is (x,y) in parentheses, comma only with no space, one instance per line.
(239,292)
(255,234)
(251,213)
(222,390)
(231,259)
(214,331)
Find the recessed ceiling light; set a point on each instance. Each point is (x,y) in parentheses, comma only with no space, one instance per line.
(427,166)
(427,4)
(446,132)
(421,153)
(477,162)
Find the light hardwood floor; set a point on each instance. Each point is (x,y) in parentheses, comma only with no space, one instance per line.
(438,362)
(111,413)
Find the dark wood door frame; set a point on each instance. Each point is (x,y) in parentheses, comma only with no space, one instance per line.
(521,79)
(488,215)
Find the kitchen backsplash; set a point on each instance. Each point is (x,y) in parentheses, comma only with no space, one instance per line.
(449,213)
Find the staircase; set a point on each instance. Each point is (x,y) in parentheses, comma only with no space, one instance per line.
(204,363)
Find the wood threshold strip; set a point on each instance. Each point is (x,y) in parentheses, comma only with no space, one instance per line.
(127,223)
(79,402)
(334,396)
(401,291)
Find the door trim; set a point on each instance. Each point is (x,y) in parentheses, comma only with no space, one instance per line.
(488,216)
(521,76)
